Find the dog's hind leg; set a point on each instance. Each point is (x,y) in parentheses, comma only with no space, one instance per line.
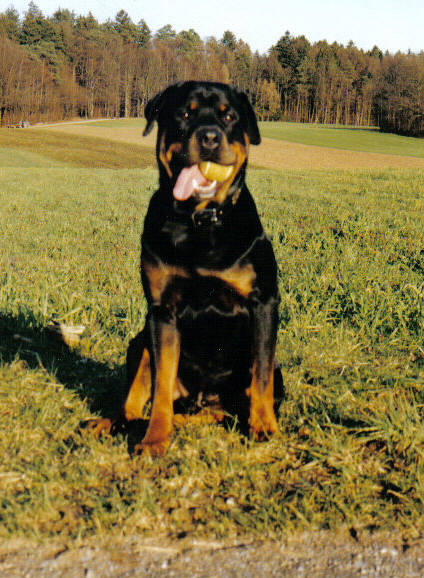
(139,378)
(138,390)
(165,354)
(262,418)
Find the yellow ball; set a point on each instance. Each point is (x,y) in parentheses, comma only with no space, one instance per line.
(215,172)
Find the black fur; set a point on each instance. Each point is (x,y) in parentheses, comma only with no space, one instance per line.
(224,331)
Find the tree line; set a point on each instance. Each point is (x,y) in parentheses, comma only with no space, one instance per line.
(68,65)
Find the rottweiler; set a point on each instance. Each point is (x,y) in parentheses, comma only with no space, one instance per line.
(208,270)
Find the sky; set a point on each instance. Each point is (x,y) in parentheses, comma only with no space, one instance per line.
(390,24)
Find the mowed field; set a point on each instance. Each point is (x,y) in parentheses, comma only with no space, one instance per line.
(349,241)
(288,145)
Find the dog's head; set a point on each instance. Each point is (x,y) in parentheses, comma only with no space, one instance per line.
(204,132)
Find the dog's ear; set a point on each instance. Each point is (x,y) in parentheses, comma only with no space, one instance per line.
(155,106)
(152,110)
(249,116)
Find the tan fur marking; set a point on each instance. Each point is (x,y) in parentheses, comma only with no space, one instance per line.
(159,275)
(158,433)
(165,156)
(140,390)
(175,147)
(179,390)
(241,155)
(162,156)
(246,142)
(202,205)
(262,418)
(241,278)
(204,416)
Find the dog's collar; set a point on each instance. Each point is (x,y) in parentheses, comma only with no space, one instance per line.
(213,216)
(207,217)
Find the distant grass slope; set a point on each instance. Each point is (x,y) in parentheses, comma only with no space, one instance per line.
(366,140)
(16,157)
(51,148)
(351,449)
(338,137)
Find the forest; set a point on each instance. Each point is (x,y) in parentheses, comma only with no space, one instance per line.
(67,65)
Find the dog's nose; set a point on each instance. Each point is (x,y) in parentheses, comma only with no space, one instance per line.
(209,139)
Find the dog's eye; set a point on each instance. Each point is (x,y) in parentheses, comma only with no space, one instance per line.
(190,111)
(228,117)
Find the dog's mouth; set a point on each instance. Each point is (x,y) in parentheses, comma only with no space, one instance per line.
(202,180)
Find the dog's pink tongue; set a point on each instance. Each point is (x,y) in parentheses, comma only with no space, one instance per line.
(184,187)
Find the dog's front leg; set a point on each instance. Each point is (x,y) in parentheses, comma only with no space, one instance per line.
(165,355)
(262,420)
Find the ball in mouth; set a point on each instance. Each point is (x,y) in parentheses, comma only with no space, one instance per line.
(201,180)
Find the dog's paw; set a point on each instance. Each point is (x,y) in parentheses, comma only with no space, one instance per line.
(201,418)
(263,424)
(98,426)
(153,449)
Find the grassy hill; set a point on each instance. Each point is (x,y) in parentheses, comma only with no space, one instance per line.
(329,136)
(353,139)
(42,148)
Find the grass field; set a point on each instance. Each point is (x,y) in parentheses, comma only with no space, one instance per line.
(343,138)
(349,245)
(43,148)
(353,139)
(291,146)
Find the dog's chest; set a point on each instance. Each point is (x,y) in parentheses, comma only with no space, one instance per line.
(180,289)
(214,320)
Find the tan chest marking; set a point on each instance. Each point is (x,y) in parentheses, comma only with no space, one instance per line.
(240,278)
(159,276)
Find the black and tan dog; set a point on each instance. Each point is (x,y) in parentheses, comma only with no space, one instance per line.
(208,270)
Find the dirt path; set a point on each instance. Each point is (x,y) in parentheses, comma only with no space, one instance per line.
(319,554)
(67,122)
(272,154)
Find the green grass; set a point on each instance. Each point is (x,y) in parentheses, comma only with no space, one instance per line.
(60,149)
(351,450)
(13,157)
(353,139)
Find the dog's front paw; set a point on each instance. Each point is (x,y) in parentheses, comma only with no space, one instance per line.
(98,426)
(156,448)
(262,423)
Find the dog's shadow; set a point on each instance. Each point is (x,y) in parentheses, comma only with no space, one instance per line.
(101,387)
(21,338)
